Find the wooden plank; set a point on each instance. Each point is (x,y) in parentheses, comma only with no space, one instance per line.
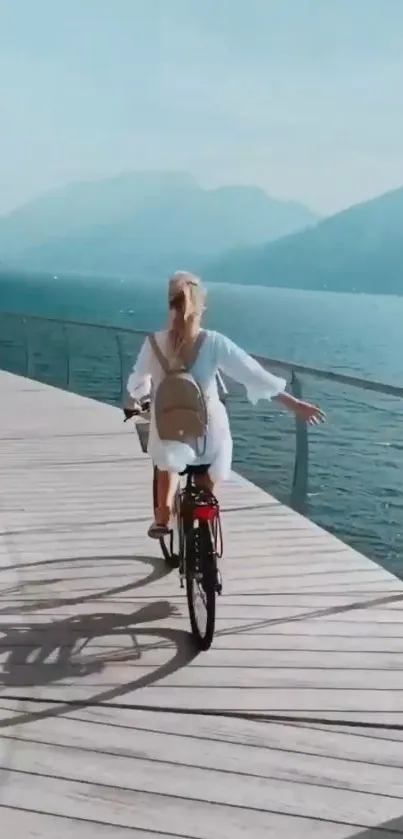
(31,824)
(100,673)
(66,744)
(317,701)
(306,626)
(360,744)
(248,613)
(151,654)
(295,795)
(155,812)
(246,645)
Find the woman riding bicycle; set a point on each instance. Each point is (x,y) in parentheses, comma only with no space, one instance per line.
(186,299)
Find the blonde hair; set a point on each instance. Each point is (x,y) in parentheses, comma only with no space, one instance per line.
(187,297)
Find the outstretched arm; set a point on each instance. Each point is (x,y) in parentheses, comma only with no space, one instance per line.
(259,383)
(238,365)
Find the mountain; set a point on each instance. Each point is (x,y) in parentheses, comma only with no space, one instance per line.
(359,249)
(146,221)
(79,207)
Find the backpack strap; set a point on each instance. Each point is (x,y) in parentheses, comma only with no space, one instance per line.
(221,386)
(193,355)
(159,354)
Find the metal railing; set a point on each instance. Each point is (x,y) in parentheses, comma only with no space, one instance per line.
(95,361)
(41,362)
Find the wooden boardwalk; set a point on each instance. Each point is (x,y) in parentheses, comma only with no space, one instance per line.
(307,628)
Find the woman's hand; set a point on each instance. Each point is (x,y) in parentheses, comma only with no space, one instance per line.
(131,409)
(306,412)
(132,405)
(309,413)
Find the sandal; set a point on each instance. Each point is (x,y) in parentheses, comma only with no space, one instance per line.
(158,531)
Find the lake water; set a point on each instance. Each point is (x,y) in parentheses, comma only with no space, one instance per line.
(356,461)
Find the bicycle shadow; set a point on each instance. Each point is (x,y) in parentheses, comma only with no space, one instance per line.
(159,570)
(386,830)
(48,652)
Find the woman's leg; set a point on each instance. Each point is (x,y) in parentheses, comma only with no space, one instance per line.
(205,482)
(167,484)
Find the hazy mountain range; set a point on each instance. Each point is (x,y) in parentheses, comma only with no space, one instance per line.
(147,224)
(142,222)
(360,249)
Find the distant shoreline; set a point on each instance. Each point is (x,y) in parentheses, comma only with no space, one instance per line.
(125,279)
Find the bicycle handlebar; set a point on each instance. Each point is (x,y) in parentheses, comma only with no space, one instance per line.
(143,408)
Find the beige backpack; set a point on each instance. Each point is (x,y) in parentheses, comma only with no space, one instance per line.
(179,406)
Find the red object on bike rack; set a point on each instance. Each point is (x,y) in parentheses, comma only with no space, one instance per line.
(204,512)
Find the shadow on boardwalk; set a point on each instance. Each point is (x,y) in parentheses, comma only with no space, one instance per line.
(388,830)
(44,653)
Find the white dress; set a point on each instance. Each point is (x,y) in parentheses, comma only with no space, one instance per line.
(217,354)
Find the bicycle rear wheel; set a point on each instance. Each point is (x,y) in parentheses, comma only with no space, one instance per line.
(201,583)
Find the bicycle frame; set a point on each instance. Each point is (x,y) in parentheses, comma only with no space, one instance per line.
(196,506)
(198,527)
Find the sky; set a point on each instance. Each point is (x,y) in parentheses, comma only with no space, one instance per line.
(303,98)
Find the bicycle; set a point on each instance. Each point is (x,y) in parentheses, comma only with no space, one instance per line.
(194,546)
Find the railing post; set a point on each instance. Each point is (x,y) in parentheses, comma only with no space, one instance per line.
(67,350)
(26,346)
(299,488)
(120,354)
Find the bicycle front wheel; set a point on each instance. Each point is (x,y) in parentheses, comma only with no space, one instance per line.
(201,580)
